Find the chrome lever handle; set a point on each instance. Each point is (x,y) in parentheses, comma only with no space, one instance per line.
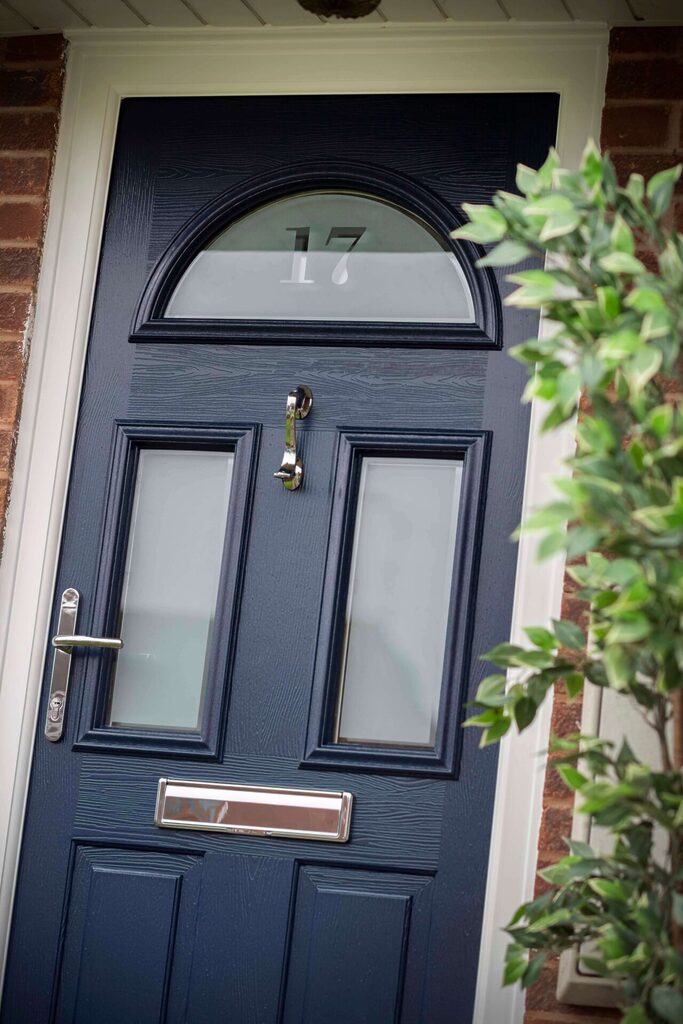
(64,642)
(299,403)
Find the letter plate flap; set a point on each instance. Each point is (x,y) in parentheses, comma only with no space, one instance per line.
(254,810)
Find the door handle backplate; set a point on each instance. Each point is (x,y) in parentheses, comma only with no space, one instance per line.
(64,643)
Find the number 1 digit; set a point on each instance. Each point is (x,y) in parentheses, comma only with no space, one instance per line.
(299,257)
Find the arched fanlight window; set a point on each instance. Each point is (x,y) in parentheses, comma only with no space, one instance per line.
(326,255)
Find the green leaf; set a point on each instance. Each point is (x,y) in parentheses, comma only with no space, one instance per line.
(595,435)
(550,920)
(659,519)
(667,1003)
(524,711)
(547,169)
(591,165)
(581,539)
(548,205)
(491,691)
(541,637)
(610,889)
(533,971)
(486,224)
(660,189)
(619,666)
(642,367)
(503,654)
(483,720)
(534,659)
(538,287)
(633,626)
(495,732)
(560,224)
(551,544)
(555,514)
(621,263)
(592,371)
(623,571)
(571,776)
(580,849)
(645,300)
(516,961)
(661,420)
(609,302)
(505,254)
(620,344)
(678,907)
(671,264)
(635,1015)
(526,179)
(574,682)
(569,634)
(656,323)
(621,237)
(561,216)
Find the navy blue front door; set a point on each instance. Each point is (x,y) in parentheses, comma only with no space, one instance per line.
(324,638)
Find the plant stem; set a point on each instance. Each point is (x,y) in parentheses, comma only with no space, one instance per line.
(675,844)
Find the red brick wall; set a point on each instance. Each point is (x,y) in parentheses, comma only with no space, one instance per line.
(31,76)
(642,127)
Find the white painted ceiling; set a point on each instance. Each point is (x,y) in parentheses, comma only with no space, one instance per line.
(54,15)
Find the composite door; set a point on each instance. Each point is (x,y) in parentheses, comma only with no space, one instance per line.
(299,459)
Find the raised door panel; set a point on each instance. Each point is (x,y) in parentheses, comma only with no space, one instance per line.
(130,918)
(380,920)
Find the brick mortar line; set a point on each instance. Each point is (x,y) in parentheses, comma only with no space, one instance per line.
(676,123)
(557,803)
(663,151)
(557,1017)
(24,154)
(15,199)
(15,289)
(42,109)
(16,64)
(638,101)
(17,243)
(552,856)
(638,58)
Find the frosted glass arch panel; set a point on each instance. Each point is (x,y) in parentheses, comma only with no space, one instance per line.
(326,256)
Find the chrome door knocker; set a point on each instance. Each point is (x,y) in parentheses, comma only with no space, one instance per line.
(299,403)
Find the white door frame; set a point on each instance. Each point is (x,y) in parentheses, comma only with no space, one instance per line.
(103,68)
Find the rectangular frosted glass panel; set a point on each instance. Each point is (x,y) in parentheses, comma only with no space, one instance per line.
(168,603)
(398,602)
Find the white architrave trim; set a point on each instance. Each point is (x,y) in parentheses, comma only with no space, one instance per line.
(103,68)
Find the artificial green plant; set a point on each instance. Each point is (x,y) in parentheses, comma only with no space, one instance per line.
(611,294)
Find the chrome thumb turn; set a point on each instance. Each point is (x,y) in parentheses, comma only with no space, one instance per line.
(299,403)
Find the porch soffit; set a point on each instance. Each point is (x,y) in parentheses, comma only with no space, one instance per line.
(24,16)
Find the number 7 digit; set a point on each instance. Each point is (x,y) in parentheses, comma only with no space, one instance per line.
(340,274)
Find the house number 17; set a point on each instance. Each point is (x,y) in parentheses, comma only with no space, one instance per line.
(340,273)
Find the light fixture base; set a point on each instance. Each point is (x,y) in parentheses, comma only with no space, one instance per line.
(340,8)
